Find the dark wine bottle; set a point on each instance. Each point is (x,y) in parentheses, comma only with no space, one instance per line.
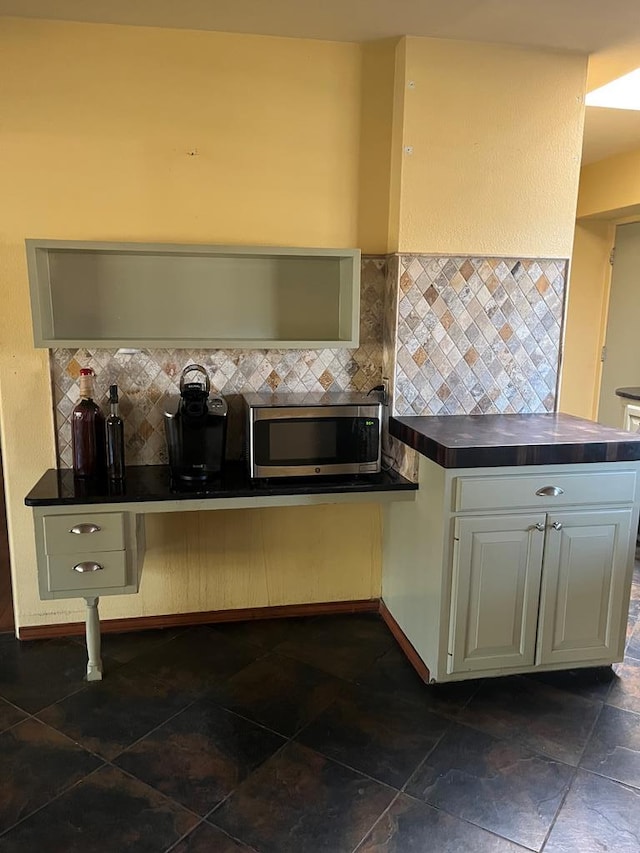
(115,438)
(87,431)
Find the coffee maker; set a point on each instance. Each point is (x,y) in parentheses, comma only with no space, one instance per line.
(196,429)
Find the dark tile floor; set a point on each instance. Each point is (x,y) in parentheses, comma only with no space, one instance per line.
(310,736)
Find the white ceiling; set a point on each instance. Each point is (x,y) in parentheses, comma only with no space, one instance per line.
(608,31)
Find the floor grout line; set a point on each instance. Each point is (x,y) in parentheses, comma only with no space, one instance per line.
(198,826)
(628,785)
(559,809)
(50,801)
(376,822)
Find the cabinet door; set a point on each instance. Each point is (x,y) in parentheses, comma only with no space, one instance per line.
(496,589)
(585,581)
(632,417)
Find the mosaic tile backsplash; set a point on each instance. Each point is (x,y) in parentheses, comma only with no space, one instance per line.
(453,335)
(148,377)
(398,455)
(477,335)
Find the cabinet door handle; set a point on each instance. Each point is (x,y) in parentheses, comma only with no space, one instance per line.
(557,525)
(539,526)
(85,528)
(87,566)
(550,492)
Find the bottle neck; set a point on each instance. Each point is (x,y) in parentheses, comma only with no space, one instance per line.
(113,409)
(86,387)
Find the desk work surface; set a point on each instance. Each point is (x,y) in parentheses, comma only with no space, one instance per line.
(149,483)
(469,441)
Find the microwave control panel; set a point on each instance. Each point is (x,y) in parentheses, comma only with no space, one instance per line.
(368,439)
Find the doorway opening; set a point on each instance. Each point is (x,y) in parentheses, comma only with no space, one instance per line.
(620,367)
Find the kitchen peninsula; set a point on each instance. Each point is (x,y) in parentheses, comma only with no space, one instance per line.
(517,555)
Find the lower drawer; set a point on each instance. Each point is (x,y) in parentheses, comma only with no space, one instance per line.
(87,571)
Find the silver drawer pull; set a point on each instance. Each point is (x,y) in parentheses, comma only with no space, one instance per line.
(85,528)
(550,492)
(557,525)
(87,566)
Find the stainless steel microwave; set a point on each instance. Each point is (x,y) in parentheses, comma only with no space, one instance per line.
(307,435)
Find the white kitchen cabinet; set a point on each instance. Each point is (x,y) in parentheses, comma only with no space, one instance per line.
(583,613)
(87,553)
(519,569)
(543,588)
(631,417)
(497,567)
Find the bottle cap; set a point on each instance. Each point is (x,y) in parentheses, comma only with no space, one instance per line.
(113,393)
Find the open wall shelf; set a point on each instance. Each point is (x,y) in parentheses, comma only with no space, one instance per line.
(171,295)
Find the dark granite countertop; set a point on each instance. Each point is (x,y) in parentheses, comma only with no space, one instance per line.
(629,393)
(58,487)
(473,441)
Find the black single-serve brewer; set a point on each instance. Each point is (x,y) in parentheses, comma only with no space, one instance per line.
(196,429)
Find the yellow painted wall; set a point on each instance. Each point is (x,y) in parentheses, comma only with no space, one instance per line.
(96,128)
(610,188)
(257,558)
(584,328)
(609,194)
(496,133)
(376,128)
(397,146)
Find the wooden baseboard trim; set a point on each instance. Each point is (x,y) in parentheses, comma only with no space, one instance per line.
(208,617)
(211,617)
(404,643)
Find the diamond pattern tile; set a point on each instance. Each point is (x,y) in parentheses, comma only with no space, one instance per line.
(148,377)
(483,333)
(452,335)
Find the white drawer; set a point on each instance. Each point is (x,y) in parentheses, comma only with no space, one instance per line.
(63,575)
(80,534)
(544,491)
